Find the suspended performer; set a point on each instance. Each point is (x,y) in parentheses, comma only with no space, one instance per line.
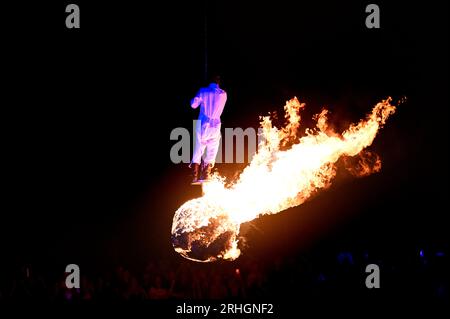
(212,101)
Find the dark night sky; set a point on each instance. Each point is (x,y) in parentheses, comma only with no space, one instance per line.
(87,116)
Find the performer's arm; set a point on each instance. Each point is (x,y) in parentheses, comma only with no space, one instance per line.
(196,101)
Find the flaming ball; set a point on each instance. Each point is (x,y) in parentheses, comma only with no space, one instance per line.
(202,231)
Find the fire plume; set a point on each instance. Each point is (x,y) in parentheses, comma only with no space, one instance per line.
(207,228)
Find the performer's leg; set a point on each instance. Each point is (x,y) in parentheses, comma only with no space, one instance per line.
(212,145)
(199,149)
(200,144)
(195,173)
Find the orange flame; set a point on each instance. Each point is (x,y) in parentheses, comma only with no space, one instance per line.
(275,180)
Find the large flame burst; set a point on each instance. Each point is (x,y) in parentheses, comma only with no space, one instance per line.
(207,228)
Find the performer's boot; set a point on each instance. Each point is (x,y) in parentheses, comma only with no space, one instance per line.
(206,171)
(195,173)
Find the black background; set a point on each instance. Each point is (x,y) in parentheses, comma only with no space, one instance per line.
(87,116)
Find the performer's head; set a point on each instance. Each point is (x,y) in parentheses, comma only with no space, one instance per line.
(215,78)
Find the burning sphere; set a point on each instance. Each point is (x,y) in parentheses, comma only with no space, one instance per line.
(203,231)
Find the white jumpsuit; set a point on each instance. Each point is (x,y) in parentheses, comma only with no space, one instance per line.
(211,100)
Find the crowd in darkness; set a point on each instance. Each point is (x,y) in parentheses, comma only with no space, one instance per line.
(246,278)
